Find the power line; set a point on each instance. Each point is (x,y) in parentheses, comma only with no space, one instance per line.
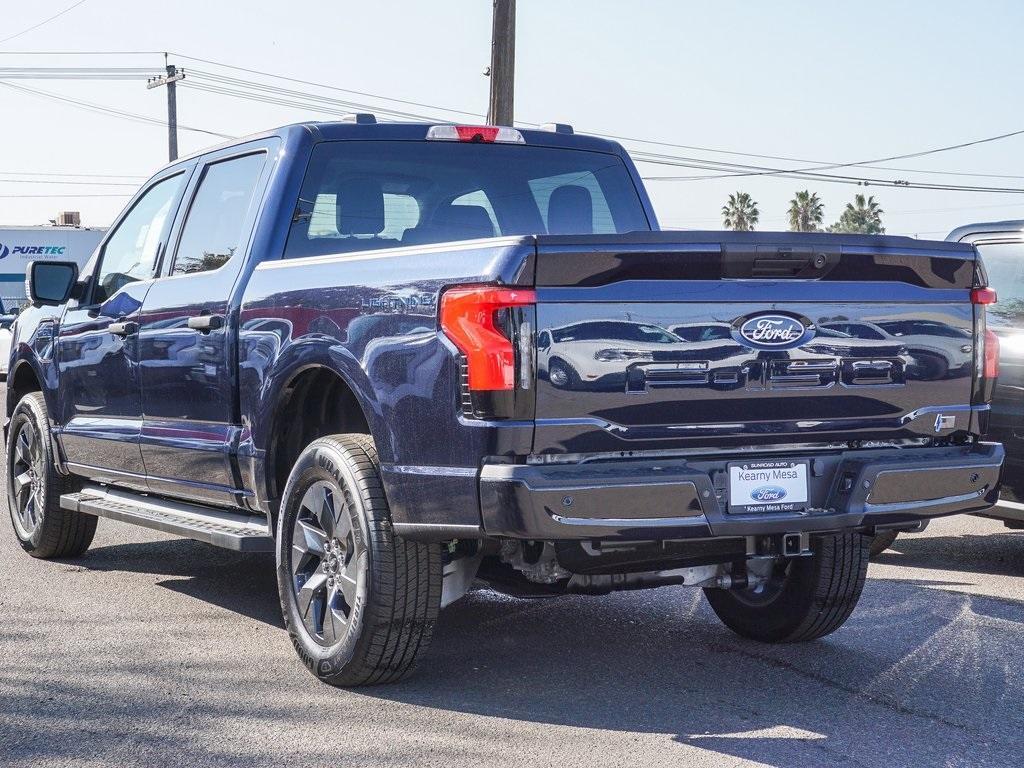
(71,183)
(834,166)
(299,81)
(803,175)
(82,53)
(287,97)
(270,94)
(109,111)
(71,194)
(85,175)
(41,23)
(78,73)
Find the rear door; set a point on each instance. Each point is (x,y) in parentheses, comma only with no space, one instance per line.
(97,348)
(675,340)
(187,337)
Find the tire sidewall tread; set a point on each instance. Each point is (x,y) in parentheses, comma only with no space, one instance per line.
(816,599)
(60,532)
(403,578)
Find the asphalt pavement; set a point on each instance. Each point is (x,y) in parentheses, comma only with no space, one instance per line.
(154,651)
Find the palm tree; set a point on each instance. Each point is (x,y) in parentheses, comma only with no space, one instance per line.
(806,212)
(863,215)
(740,212)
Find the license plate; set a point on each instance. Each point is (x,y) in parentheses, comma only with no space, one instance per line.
(767,486)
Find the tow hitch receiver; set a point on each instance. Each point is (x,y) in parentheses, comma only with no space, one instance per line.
(785,545)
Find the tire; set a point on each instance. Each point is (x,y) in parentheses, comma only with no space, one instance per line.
(806,598)
(34,488)
(384,592)
(562,375)
(881,541)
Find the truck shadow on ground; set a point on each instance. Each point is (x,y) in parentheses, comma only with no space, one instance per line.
(241,583)
(914,659)
(910,658)
(995,554)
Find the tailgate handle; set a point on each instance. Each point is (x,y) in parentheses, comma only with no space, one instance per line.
(778,261)
(780,267)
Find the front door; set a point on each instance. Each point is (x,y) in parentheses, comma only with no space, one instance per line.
(97,347)
(187,338)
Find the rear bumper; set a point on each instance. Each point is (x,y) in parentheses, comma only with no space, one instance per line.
(652,499)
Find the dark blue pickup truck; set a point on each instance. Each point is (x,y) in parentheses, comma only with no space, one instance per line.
(406,357)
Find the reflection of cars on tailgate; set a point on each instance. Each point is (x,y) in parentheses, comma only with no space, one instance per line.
(594,352)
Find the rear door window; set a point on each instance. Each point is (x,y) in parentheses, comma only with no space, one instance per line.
(214,228)
(571,203)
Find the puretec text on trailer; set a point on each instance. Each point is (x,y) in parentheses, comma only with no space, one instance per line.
(19,246)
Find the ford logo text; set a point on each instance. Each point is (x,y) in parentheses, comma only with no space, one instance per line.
(768,493)
(772,331)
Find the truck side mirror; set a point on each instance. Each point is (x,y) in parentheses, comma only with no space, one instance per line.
(51,282)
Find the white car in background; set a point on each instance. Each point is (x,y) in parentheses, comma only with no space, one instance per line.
(5,343)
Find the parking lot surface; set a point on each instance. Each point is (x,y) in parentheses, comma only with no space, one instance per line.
(158,651)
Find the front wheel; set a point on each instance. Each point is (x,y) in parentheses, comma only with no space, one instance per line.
(34,488)
(804,598)
(359,602)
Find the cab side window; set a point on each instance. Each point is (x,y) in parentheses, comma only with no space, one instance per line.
(130,253)
(214,228)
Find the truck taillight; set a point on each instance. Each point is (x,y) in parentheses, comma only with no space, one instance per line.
(475,319)
(986,348)
(991,368)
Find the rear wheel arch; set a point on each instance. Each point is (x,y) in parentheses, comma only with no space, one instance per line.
(316,401)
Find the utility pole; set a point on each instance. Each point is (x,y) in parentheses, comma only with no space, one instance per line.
(503,63)
(173,75)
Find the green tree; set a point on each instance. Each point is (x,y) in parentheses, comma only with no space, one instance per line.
(863,215)
(806,212)
(740,212)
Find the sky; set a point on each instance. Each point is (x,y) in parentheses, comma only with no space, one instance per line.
(826,82)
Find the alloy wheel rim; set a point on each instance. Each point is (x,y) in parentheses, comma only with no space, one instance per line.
(326,563)
(27,480)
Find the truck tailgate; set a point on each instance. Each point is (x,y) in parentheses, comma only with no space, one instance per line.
(693,339)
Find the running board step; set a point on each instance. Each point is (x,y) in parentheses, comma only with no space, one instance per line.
(230,530)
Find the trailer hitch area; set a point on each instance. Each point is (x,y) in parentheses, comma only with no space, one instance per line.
(779,545)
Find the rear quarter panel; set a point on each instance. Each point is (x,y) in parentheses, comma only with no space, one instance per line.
(371,317)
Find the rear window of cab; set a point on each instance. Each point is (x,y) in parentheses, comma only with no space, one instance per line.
(363,195)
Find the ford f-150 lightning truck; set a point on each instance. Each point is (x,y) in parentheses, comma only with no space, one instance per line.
(408,357)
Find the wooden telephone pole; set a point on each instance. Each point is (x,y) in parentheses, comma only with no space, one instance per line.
(503,63)
(173,75)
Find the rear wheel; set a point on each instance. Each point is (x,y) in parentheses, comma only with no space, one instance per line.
(359,602)
(34,488)
(804,598)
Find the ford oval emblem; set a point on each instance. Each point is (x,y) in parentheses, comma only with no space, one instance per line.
(768,493)
(773,331)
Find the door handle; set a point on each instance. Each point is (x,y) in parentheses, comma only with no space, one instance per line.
(206,323)
(124,328)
